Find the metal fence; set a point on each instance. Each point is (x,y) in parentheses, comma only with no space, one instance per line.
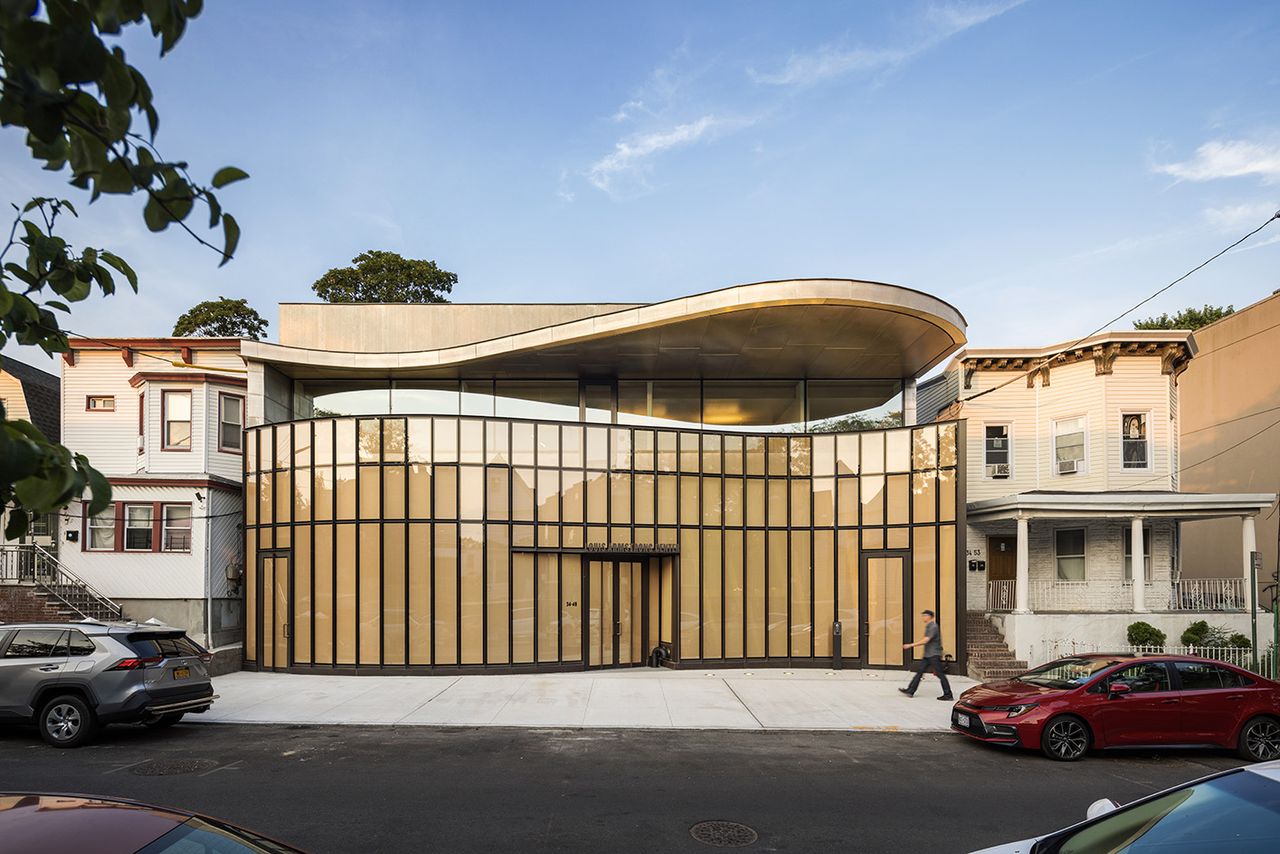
(1240,656)
(1189,594)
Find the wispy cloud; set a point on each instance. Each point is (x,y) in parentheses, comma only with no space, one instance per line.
(630,157)
(938,23)
(1232,217)
(1231,158)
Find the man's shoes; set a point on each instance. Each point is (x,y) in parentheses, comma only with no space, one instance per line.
(908,693)
(946,697)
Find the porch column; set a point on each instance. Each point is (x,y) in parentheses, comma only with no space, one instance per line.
(1139,567)
(1249,541)
(909,402)
(1022,582)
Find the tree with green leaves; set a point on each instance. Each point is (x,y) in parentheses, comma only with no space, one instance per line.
(377,276)
(222,318)
(77,100)
(1188,318)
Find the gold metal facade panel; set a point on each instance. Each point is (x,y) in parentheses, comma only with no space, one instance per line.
(410,542)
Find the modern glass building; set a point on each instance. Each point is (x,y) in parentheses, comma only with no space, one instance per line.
(708,481)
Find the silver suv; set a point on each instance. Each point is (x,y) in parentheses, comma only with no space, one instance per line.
(70,678)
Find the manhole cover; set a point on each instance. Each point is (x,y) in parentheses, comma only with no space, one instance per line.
(167,767)
(723,834)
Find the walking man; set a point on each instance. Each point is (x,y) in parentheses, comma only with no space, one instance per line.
(932,657)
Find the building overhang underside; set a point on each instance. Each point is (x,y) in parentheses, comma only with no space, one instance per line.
(1118,505)
(803,329)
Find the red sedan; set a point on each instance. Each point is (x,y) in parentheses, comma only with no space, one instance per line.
(1068,706)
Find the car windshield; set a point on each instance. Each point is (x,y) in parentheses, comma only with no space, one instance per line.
(1233,814)
(1067,672)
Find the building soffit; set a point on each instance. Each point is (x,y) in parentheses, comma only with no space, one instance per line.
(821,328)
(1118,505)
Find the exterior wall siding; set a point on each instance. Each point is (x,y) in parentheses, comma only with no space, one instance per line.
(424,542)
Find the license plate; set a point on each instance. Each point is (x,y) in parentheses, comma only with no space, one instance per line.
(181,672)
(962,719)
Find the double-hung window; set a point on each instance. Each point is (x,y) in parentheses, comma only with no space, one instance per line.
(138,527)
(230,422)
(1068,550)
(1135,448)
(996,450)
(176,406)
(177,528)
(102,530)
(1128,553)
(1068,445)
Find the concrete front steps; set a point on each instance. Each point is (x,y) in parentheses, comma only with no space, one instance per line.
(989,656)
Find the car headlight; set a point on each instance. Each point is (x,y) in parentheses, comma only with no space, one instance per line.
(1015,711)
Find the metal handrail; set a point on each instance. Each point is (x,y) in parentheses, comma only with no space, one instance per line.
(53,577)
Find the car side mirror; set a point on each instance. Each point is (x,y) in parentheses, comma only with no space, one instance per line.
(1119,689)
(1100,807)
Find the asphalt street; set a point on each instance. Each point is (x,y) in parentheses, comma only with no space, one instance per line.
(422,789)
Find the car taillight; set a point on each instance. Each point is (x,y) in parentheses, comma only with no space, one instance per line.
(206,657)
(135,663)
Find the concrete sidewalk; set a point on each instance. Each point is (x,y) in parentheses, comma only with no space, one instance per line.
(641,698)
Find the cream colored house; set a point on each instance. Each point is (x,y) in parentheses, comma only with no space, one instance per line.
(163,419)
(1074,508)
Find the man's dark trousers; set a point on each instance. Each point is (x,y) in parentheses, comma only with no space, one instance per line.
(934,662)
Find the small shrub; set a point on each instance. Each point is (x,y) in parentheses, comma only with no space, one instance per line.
(1195,633)
(1144,634)
(1239,641)
(1201,634)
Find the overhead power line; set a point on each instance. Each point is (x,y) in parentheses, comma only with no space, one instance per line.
(1049,359)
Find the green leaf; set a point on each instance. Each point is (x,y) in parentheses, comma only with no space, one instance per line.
(231,237)
(227,175)
(154,215)
(61,306)
(17,525)
(121,266)
(99,487)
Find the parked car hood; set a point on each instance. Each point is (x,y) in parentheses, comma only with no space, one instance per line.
(1008,692)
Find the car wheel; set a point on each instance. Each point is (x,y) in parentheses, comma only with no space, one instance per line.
(1065,738)
(66,721)
(1260,740)
(163,721)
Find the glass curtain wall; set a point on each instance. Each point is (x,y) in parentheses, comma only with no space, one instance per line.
(426,542)
(785,406)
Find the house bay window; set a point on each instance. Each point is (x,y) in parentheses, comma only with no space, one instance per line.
(102,530)
(1128,553)
(1068,550)
(995,448)
(177,528)
(138,527)
(176,406)
(1068,445)
(1135,451)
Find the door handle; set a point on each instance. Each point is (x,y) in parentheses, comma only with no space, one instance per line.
(1167,702)
(49,668)
(1235,696)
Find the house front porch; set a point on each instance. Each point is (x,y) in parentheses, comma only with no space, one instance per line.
(1056,569)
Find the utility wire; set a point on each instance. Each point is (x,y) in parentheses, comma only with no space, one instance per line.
(1048,359)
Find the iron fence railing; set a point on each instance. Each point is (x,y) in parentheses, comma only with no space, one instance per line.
(32,564)
(1264,664)
(1193,594)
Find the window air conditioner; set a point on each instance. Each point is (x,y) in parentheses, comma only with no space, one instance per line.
(1067,466)
(996,444)
(997,470)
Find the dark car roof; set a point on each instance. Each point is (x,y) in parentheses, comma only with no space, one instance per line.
(40,822)
(36,823)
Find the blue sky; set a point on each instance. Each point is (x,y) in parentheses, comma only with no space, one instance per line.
(1040,165)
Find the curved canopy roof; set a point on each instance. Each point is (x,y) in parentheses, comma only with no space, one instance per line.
(805,328)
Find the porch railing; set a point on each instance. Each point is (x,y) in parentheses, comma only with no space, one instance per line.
(1193,594)
(32,564)
(1208,594)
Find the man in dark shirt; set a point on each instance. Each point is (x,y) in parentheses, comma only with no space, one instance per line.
(932,657)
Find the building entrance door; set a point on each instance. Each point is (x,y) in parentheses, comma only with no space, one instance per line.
(273,609)
(883,591)
(616,633)
(1002,571)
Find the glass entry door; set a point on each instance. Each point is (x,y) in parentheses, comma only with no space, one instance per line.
(883,578)
(273,598)
(616,635)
